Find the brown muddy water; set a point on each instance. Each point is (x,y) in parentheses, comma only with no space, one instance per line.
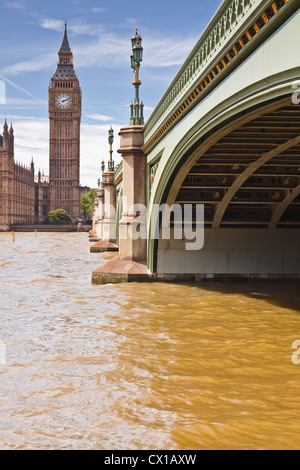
(140,366)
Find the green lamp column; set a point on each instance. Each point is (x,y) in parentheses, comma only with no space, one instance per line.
(136,109)
(111,163)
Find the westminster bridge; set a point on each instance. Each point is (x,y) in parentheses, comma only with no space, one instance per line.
(225,136)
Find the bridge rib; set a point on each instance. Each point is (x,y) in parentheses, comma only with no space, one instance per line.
(242,178)
(281,208)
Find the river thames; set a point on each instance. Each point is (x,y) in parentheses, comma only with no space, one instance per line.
(141,366)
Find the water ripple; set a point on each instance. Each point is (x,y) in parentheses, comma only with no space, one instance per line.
(145,366)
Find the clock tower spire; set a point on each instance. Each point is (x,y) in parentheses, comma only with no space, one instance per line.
(65,55)
(65,116)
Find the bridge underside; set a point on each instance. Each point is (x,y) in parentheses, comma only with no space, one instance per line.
(249,183)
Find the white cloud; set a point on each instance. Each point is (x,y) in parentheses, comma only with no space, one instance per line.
(12,117)
(81,27)
(99,117)
(166,51)
(99,9)
(51,23)
(148,109)
(107,49)
(94,148)
(36,64)
(16,5)
(23,90)
(76,26)
(113,50)
(17,103)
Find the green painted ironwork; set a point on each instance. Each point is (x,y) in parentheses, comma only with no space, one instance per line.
(136,108)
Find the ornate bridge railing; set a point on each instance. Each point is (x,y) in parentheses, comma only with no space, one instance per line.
(237,28)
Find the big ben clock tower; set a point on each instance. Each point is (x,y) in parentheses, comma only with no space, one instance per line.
(65,117)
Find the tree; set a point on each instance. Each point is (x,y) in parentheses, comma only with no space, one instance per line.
(87,203)
(59,216)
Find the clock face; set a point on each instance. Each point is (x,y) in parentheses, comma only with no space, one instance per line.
(63,101)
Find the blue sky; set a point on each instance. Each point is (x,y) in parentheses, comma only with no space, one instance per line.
(31,33)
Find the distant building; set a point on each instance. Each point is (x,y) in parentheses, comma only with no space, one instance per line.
(26,198)
(17,189)
(86,189)
(42,197)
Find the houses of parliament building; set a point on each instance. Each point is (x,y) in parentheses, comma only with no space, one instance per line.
(26,198)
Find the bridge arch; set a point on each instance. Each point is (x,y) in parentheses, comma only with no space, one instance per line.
(229,200)
(209,122)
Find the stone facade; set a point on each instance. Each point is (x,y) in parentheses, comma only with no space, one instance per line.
(42,197)
(24,198)
(17,190)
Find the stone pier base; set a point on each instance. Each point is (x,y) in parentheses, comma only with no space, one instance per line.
(103,246)
(121,270)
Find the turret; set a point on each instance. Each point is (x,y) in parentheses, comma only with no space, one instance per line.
(5,135)
(11,138)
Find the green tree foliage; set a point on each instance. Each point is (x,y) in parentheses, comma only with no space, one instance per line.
(59,216)
(87,203)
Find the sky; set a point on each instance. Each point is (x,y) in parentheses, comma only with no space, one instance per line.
(31,32)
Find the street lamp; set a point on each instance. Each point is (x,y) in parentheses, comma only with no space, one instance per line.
(111,163)
(136,109)
(100,184)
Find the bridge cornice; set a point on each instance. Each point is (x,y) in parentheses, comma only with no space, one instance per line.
(237,28)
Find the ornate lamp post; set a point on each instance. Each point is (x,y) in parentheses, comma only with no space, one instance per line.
(136,109)
(100,183)
(111,163)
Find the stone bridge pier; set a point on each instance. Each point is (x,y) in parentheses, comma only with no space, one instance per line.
(131,262)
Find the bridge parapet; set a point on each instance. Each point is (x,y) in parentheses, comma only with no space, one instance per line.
(236,25)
